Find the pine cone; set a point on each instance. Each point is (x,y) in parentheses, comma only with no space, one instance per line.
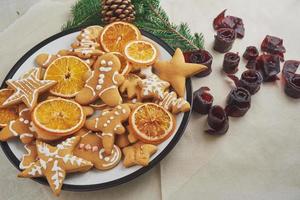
(117,10)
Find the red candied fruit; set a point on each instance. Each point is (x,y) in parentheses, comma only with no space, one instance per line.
(273,45)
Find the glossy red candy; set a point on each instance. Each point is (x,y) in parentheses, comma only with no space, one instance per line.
(238,102)
(250,80)
(231,62)
(292,80)
(224,40)
(217,121)
(202,100)
(235,23)
(200,56)
(273,45)
(269,66)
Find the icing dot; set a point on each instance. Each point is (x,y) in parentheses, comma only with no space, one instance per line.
(98,87)
(101,75)
(110,63)
(105,125)
(95,148)
(103,62)
(106,159)
(111,117)
(117,113)
(21,119)
(81,146)
(108,121)
(88,147)
(26,121)
(119,107)
(123,111)
(100,81)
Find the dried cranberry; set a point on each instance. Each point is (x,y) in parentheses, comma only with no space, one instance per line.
(292,80)
(250,80)
(251,53)
(202,100)
(251,64)
(238,102)
(201,57)
(273,45)
(269,66)
(217,121)
(232,22)
(224,40)
(231,62)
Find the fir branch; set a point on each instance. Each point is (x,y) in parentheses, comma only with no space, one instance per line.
(149,16)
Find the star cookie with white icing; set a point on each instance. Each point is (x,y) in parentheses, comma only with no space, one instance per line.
(138,154)
(54,162)
(90,148)
(109,123)
(153,87)
(173,104)
(22,127)
(27,89)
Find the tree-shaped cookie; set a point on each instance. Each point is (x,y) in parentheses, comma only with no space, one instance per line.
(109,123)
(55,161)
(103,82)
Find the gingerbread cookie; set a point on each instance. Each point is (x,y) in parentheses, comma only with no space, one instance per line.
(44,60)
(30,157)
(23,128)
(90,33)
(177,70)
(173,104)
(54,162)
(27,90)
(122,140)
(10,113)
(131,137)
(130,85)
(103,82)
(138,154)
(109,123)
(90,148)
(153,87)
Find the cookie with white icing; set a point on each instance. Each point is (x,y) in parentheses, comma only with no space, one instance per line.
(30,157)
(90,148)
(109,123)
(174,104)
(22,127)
(54,162)
(103,82)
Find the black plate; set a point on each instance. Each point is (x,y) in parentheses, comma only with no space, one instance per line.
(15,161)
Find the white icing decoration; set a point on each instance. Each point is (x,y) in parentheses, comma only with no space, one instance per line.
(22,166)
(105,69)
(103,62)
(98,87)
(21,119)
(107,134)
(58,175)
(26,121)
(114,77)
(123,111)
(96,123)
(23,135)
(117,113)
(154,85)
(117,126)
(47,60)
(36,169)
(110,63)
(111,117)
(11,128)
(88,86)
(108,88)
(105,125)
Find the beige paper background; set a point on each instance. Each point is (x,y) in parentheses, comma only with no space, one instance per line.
(259,156)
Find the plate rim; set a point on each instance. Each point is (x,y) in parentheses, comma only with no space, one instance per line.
(92,187)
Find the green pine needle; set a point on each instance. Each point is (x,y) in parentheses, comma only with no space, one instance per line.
(149,17)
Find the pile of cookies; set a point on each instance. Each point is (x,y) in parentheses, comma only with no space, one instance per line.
(108,98)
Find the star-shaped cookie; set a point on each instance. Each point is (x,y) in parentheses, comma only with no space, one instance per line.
(176,70)
(55,161)
(29,158)
(138,154)
(153,87)
(28,89)
(130,85)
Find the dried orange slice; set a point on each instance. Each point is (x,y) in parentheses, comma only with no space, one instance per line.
(69,72)
(116,35)
(140,52)
(10,113)
(125,65)
(58,116)
(152,123)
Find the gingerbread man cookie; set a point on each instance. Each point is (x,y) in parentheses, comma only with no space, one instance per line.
(54,162)
(109,123)
(103,82)
(138,154)
(90,148)
(30,157)
(22,127)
